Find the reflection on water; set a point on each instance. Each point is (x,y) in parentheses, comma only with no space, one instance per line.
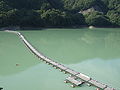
(73,46)
(93,52)
(39,77)
(50,79)
(104,71)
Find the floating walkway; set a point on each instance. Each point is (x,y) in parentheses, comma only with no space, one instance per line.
(76,78)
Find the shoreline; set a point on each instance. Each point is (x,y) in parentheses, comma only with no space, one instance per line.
(44,28)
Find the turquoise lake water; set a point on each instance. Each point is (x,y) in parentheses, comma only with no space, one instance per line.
(95,53)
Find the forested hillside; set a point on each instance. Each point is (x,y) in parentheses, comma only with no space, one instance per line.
(59,13)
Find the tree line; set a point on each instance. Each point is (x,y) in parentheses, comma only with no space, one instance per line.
(58,13)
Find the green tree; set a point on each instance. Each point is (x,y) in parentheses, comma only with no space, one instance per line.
(114,17)
(30,18)
(4,7)
(3,19)
(97,19)
(13,17)
(58,13)
(114,4)
(78,19)
(52,17)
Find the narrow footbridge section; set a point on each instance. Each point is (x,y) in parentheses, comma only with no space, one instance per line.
(76,78)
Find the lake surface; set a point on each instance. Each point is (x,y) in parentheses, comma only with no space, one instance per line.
(94,52)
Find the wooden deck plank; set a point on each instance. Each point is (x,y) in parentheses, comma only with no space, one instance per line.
(73,81)
(54,63)
(98,84)
(84,77)
(62,67)
(109,88)
(48,60)
(71,71)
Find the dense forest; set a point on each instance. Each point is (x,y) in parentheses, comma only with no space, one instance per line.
(59,13)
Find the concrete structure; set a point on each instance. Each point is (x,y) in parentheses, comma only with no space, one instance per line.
(73,81)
